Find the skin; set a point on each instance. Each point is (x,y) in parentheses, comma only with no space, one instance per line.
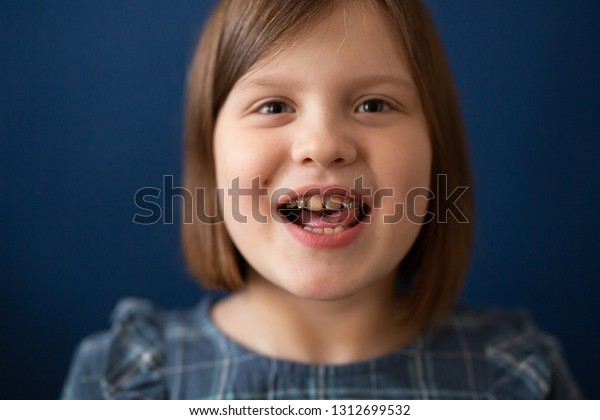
(298,118)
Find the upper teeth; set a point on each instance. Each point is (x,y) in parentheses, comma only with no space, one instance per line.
(315,203)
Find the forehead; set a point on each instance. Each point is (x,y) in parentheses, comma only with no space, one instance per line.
(353,38)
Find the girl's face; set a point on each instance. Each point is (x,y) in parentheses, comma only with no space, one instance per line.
(332,122)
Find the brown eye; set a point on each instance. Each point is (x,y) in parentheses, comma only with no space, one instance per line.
(373,105)
(274,108)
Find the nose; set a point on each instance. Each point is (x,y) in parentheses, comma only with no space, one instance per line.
(325,141)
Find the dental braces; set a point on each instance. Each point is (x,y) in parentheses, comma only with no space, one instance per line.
(302,204)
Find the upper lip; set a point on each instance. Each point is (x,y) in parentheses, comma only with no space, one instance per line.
(292,194)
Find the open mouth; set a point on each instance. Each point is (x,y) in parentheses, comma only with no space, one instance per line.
(326,215)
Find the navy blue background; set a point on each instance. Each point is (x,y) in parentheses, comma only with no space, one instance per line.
(91,105)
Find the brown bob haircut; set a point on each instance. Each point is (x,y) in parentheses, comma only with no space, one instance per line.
(236,36)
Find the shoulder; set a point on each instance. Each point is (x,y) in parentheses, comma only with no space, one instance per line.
(86,369)
(130,360)
(518,361)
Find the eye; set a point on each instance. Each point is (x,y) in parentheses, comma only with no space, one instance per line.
(373,105)
(274,108)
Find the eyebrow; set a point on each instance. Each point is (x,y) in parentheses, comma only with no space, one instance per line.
(374,80)
(358,82)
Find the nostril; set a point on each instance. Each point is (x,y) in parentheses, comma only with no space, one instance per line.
(310,150)
(338,161)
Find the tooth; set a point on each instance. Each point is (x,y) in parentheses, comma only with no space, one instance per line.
(291,205)
(328,231)
(339,229)
(334,202)
(352,204)
(347,202)
(313,230)
(315,203)
(299,204)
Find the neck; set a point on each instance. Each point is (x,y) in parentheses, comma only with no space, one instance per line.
(273,322)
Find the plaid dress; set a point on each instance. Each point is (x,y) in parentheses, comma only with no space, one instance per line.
(472,354)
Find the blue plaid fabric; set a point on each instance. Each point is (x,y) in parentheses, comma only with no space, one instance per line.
(473,354)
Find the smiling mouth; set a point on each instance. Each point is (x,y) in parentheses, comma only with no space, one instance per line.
(326,215)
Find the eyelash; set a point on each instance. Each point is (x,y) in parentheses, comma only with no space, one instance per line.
(384,105)
(261,108)
(267,108)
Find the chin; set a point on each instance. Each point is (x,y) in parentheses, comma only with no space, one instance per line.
(329,290)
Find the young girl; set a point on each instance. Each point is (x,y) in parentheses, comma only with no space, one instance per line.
(328,161)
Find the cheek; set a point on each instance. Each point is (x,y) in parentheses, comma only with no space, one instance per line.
(245,155)
(405,177)
(406,163)
(243,170)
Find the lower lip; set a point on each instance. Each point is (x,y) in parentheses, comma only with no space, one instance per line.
(323,241)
